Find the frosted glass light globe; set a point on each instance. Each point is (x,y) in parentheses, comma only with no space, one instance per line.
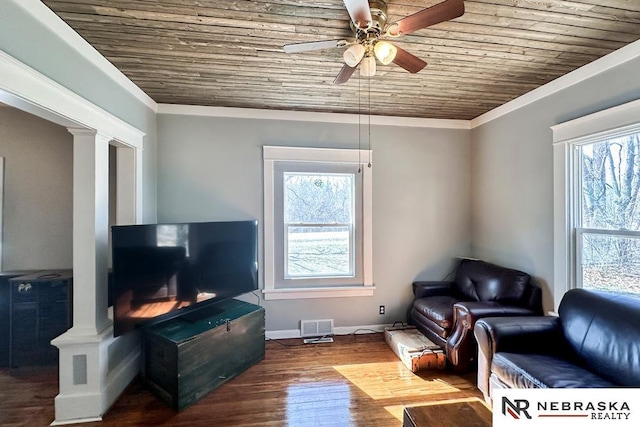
(385,52)
(368,66)
(353,55)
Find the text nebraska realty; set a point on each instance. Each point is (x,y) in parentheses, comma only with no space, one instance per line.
(598,410)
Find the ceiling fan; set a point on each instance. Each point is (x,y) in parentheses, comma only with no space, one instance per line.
(369,25)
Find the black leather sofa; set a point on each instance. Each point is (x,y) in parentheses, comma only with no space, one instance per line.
(593,342)
(445,312)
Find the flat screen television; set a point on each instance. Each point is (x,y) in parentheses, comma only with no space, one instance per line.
(162,270)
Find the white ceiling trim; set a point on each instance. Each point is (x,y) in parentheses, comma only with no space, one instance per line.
(615,58)
(305,116)
(47,18)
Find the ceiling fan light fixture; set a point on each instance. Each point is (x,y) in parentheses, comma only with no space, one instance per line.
(353,55)
(385,52)
(368,66)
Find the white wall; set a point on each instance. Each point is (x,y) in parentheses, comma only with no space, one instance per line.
(512,172)
(38,192)
(211,169)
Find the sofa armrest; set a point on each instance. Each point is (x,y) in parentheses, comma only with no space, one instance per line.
(461,346)
(474,310)
(424,289)
(519,334)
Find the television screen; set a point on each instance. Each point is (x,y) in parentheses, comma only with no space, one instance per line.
(160,270)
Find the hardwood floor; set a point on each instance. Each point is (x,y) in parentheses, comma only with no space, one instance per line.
(356,381)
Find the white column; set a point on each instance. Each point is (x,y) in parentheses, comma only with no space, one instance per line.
(90,231)
(88,384)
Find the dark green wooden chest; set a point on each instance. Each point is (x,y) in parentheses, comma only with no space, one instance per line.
(188,356)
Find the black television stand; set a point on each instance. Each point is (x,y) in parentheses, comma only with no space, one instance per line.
(186,358)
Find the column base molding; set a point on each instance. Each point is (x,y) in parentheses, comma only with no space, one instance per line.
(93,371)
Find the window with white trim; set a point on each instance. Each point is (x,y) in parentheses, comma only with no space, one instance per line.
(580,233)
(317,210)
(607,219)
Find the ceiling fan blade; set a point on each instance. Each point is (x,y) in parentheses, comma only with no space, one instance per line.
(408,61)
(344,75)
(308,46)
(448,9)
(359,12)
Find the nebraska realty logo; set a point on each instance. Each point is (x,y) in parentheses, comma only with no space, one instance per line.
(573,407)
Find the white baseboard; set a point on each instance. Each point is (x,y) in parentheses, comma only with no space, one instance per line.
(283,334)
(340,330)
(356,330)
(120,378)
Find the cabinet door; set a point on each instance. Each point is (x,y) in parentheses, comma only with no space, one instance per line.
(40,312)
(24,334)
(53,308)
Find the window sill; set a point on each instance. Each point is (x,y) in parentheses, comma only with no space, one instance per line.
(333,292)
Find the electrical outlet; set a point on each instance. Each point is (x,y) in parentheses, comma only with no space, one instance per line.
(381,309)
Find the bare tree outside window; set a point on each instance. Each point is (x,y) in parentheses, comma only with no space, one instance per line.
(318,215)
(609,237)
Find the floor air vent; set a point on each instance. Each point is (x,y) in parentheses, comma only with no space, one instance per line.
(316,328)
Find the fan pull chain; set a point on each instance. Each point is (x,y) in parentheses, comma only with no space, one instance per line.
(369,164)
(359,118)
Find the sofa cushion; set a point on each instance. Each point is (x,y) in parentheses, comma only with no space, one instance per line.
(604,331)
(521,370)
(437,309)
(481,281)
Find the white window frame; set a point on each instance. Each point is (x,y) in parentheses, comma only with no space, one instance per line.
(271,156)
(607,124)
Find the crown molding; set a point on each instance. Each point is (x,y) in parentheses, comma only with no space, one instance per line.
(50,20)
(615,58)
(306,116)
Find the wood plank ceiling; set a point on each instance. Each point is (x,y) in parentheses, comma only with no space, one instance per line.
(229,53)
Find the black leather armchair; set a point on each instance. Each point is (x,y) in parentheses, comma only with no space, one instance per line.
(446,311)
(593,342)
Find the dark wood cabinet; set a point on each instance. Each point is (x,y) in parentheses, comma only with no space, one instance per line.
(5,314)
(40,310)
(190,355)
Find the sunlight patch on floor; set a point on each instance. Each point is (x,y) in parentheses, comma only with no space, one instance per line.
(396,411)
(391,380)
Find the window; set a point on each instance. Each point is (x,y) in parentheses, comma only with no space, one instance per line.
(319,219)
(608,217)
(317,223)
(596,163)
